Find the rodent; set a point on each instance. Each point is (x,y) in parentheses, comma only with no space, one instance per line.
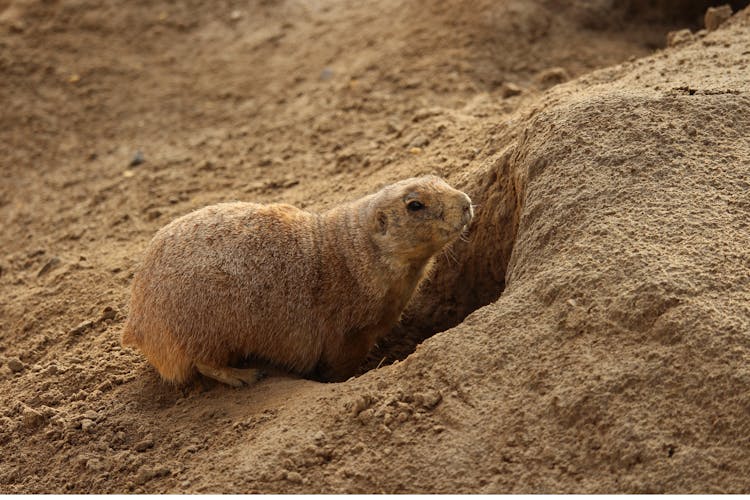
(310,293)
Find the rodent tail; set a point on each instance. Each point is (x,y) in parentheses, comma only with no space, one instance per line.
(160,349)
(128,338)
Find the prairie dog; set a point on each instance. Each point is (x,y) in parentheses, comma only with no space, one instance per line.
(310,293)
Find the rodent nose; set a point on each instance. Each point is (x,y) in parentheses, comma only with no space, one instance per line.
(468,210)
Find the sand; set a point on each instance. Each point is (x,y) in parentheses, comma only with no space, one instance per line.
(592,336)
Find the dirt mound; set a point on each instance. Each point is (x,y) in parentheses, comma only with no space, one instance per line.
(610,249)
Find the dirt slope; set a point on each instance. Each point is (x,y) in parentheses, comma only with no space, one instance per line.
(611,245)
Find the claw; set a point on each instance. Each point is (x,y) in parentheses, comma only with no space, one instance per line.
(236,377)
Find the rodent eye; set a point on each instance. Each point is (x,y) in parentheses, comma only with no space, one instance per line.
(415,205)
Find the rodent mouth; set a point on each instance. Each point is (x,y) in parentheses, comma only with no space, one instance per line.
(455,231)
(463,225)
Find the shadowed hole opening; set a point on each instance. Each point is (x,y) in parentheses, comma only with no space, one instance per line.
(657,16)
(688,13)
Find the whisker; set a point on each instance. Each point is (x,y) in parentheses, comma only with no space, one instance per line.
(449,254)
(447,260)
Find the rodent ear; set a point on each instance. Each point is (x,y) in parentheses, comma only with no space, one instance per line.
(382,222)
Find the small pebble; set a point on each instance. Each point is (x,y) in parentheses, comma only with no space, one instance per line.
(394,127)
(94,395)
(365,416)
(104,386)
(32,418)
(716,16)
(144,445)
(361,403)
(91,415)
(432,399)
(15,365)
(17,26)
(80,395)
(679,37)
(265,162)
(95,464)
(326,74)
(143,476)
(51,264)
(510,89)
(82,327)
(108,313)
(552,76)
(138,158)
(87,425)
(294,477)
(419,141)
(146,474)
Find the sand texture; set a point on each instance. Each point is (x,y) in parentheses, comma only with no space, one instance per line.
(591,336)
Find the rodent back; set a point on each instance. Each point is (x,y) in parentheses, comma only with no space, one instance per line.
(231,276)
(259,280)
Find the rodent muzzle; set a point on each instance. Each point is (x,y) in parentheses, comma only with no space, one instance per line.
(462,214)
(467,211)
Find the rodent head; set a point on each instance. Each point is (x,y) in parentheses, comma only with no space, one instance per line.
(415,218)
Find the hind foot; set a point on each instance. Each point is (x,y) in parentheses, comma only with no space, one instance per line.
(236,377)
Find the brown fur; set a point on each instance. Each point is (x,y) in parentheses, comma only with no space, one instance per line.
(308,292)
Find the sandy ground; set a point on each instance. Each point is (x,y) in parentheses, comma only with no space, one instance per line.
(592,336)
